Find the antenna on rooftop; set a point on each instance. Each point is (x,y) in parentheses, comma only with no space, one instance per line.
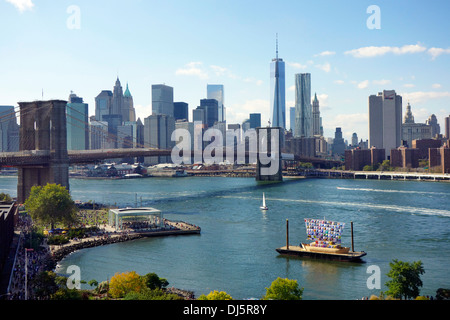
(277,45)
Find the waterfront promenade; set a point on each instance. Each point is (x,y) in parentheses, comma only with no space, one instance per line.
(107,235)
(32,262)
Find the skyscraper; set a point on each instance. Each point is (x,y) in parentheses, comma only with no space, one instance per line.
(316,120)
(98,134)
(338,146)
(211,108)
(447,127)
(103,104)
(157,134)
(77,114)
(128,111)
(181,111)
(9,130)
(435,127)
(385,120)
(255,120)
(303,108)
(162,99)
(216,91)
(117,100)
(414,131)
(292,119)
(277,92)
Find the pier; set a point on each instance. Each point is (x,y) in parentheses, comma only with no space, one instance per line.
(375,175)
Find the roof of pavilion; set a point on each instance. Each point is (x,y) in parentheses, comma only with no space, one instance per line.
(135,211)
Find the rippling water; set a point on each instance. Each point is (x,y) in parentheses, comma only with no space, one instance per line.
(235,252)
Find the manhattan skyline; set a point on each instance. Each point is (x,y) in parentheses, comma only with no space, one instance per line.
(188,45)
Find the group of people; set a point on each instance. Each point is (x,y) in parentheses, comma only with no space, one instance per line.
(27,264)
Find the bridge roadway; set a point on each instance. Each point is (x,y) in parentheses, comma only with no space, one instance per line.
(43,157)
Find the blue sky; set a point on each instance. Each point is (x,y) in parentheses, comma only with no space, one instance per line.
(189,44)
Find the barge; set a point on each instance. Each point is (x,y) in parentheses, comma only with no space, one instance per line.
(326,236)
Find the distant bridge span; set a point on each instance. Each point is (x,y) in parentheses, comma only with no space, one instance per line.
(43,156)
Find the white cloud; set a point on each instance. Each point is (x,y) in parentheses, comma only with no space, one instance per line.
(22,5)
(381,82)
(143,111)
(219,70)
(339,81)
(323,100)
(252,80)
(326,53)
(436,85)
(373,51)
(297,65)
(222,71)
(435,52)
(409,85)
(237,113)
(421,96)
(193,69)
(355,122)
(363,84)
(325,67)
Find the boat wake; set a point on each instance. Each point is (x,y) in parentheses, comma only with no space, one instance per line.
(394,208)
(392,191)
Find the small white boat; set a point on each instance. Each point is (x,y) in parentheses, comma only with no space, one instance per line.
(264,207)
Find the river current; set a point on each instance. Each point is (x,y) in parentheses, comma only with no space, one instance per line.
(235,252)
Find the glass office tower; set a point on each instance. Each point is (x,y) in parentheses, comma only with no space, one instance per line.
(277,93)
(162,99)
(303,107)
(215,91)
(77,123)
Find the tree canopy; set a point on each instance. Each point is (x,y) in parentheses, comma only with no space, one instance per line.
(124,283)
(50,205)
(215,295)
(283,289)
(405,279)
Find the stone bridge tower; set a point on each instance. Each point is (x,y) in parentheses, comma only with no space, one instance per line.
(268,164)
(43,130)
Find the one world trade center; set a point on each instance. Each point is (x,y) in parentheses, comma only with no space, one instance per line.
(277,92)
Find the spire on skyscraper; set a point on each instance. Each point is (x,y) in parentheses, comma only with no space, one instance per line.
(409,118)
(127,92)
(277,46)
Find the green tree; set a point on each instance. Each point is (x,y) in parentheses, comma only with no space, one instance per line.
(5,197)
(45,284)
(385,166)
(283,289)
(215,295)
(405,279)
(50,205)
(152,281)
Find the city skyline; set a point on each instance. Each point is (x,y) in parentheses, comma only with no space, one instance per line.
(348,60)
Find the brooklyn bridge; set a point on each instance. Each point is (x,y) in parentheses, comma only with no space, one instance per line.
(43,156)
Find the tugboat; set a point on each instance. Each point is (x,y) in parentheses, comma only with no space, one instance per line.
(326,242)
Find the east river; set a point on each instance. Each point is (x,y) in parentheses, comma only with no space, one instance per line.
(235,252)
